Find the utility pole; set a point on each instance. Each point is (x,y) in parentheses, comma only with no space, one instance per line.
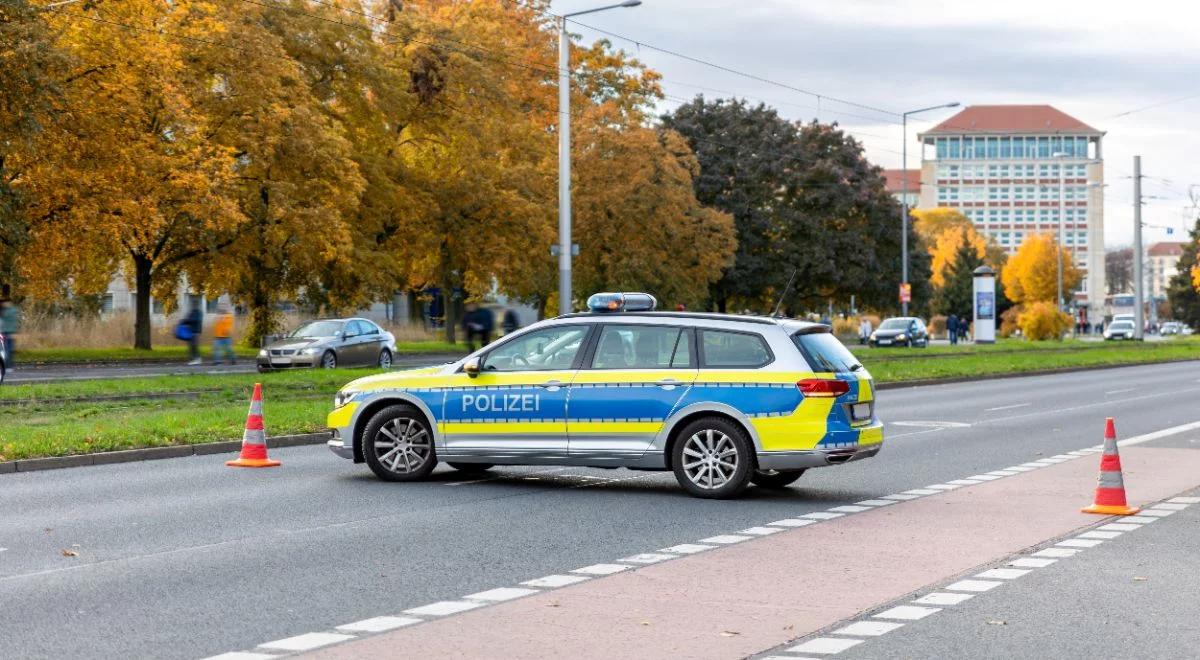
(904,196)
(1139,313)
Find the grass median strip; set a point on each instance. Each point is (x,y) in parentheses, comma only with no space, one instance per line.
(79,417)
(177,353)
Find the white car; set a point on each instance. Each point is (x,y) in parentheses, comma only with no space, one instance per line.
(1119,330)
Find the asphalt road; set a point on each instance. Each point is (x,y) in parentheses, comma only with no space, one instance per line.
(57,373)
(186,558)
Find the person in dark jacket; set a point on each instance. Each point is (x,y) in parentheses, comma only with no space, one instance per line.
(511,322)
(195,324)
(952,328)
(478,322)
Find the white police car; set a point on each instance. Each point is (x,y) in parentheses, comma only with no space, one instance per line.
(721,400)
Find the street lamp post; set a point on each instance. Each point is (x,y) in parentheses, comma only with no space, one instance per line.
(904,196)
(564,153)
(1062,211)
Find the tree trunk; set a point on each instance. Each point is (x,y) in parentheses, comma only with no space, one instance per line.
(263,319)
(141,326)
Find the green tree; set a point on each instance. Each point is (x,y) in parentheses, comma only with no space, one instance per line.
(1183,292)
(956,295)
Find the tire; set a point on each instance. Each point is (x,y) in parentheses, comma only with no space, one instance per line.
(775,478)
(329,360)
(399,427)
(703,451)
(471,468)
(385,359)
(262,369)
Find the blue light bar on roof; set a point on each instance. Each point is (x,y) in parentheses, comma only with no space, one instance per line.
(621,302)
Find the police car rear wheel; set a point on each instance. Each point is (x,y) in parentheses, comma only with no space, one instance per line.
(775,478)
(713,458)
(398,445)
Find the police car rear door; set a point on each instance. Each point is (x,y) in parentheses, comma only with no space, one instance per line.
(628,386)
(516,406)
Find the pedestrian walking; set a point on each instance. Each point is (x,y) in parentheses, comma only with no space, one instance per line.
(189,329)
(952,329)
(963,326)
(864,331)
(10,325)
(510,322)
(478,322)
(223,335)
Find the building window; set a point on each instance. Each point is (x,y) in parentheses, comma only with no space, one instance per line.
(993,147)
(942,152)
(1043,147)
(955,148)
(1006,147)
(968,148)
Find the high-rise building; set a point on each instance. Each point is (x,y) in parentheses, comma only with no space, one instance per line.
(1015,170)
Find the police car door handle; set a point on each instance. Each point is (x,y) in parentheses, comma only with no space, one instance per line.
(551,385)
(668,382)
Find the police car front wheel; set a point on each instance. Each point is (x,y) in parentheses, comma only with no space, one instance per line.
(713,458)
(398,446)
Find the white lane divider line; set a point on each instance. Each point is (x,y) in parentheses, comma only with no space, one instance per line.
(306,642)
(761,531)
(1156,513)
(985,477)
(502,594)
(918,492)
(908,612)
(793,522)
(443,608)
(1121,391)
(826,645)
(1056,553)
(1002,573)
(687,548)
(726,539)
(602,569)
(943,598)
(1013,406)
(1138,520)
(903,497)
(936,487)
(1003,473)
(875,502)
(1180,500)
(1031,562)
(649,558)
(965,482)
(1104,536)
(379,624)
(1172,505)
(1118,527)
(976,586)
(555,581)
(1079,543)
(822,515)
(850,508)
(869,628)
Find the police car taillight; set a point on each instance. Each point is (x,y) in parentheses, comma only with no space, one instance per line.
(622,302)
(823,388)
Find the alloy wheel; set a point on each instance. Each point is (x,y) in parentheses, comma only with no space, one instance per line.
(711,459)
(402,445)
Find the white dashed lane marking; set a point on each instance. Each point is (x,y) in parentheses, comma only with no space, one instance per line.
(502,594)
(1031,562)
(1079,543)
(869,628)
(306,642)
(908,612)
(379,624)
(761,531)
(977,586)
(602,569)
(726,539)
(943,598)
(555,581)
(826,645)
(793,522)
(443,608)
(649,558)
(1002,574)
(687,548)
(1015,405)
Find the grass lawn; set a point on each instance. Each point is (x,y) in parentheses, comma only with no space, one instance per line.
(177,352)
(56,419)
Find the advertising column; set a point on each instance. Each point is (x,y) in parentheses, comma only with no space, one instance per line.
(985,305)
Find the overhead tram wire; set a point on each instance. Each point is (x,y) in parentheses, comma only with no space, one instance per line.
(537,106)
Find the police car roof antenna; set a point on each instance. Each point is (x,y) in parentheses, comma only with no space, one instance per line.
(786,290)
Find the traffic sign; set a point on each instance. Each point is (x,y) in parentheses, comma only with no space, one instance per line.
(905,292)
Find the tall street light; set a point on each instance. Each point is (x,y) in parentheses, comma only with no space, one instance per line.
(1062,212)
(904,197)
(564,153)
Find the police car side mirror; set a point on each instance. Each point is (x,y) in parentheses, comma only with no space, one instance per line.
(471,368)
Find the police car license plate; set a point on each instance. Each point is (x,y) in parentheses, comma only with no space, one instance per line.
(861,411)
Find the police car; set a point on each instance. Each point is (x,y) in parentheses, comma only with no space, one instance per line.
(721,400)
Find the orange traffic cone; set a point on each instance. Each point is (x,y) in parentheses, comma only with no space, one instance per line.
(1110,490)
(254,439)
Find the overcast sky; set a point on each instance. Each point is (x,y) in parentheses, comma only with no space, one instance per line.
(1092,60)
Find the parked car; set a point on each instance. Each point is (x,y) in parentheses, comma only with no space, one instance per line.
(1171,328)
(901,331)
(1119,330)
(330,343)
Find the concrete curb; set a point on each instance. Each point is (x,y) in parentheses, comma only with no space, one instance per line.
(154,453)
(1020,374)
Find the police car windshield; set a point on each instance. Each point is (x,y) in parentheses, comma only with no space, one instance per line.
(824,352)
(318,329)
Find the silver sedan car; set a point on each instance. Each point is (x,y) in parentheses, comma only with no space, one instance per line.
(330,343)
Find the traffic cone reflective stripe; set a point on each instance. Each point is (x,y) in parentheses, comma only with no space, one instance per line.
(254,438)
(1110,488)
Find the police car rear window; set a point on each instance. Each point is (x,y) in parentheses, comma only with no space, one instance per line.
(823,352)
(738,350)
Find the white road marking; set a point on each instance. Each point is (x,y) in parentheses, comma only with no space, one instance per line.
(875,502)
(1157,513)
(1032,464)
(985,477)
(1100,535)
(793,522)
(943,487)
(1172,505)
(379,624)
(902,497)
(1118,527)
(1031,562)
(602,569)
(1057,553)
(687,548)
(1085,406)
(964,482)
(555,581)
(933,425)
(869,628)
(306,642)
(973,585)
(1127,389)
(1140,520)
(760,531)
(1184,500)
(908,612)
(649,558)
(443,608)
(826,645)
(850,508)
(1015,405)
(725,539)
(920,491)
(502,594)
(1002,573)
(241,655)
(1079,543)
(822,515)
(942,598)
(1022,468)
(1003,473)
(1147,437)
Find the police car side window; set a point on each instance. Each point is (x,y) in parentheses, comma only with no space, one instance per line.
(738,350)
(543,350)
(636,347)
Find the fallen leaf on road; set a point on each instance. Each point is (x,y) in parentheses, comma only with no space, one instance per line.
(997,622)
(729,633)
(69,553)
(553,604)
(645,623)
